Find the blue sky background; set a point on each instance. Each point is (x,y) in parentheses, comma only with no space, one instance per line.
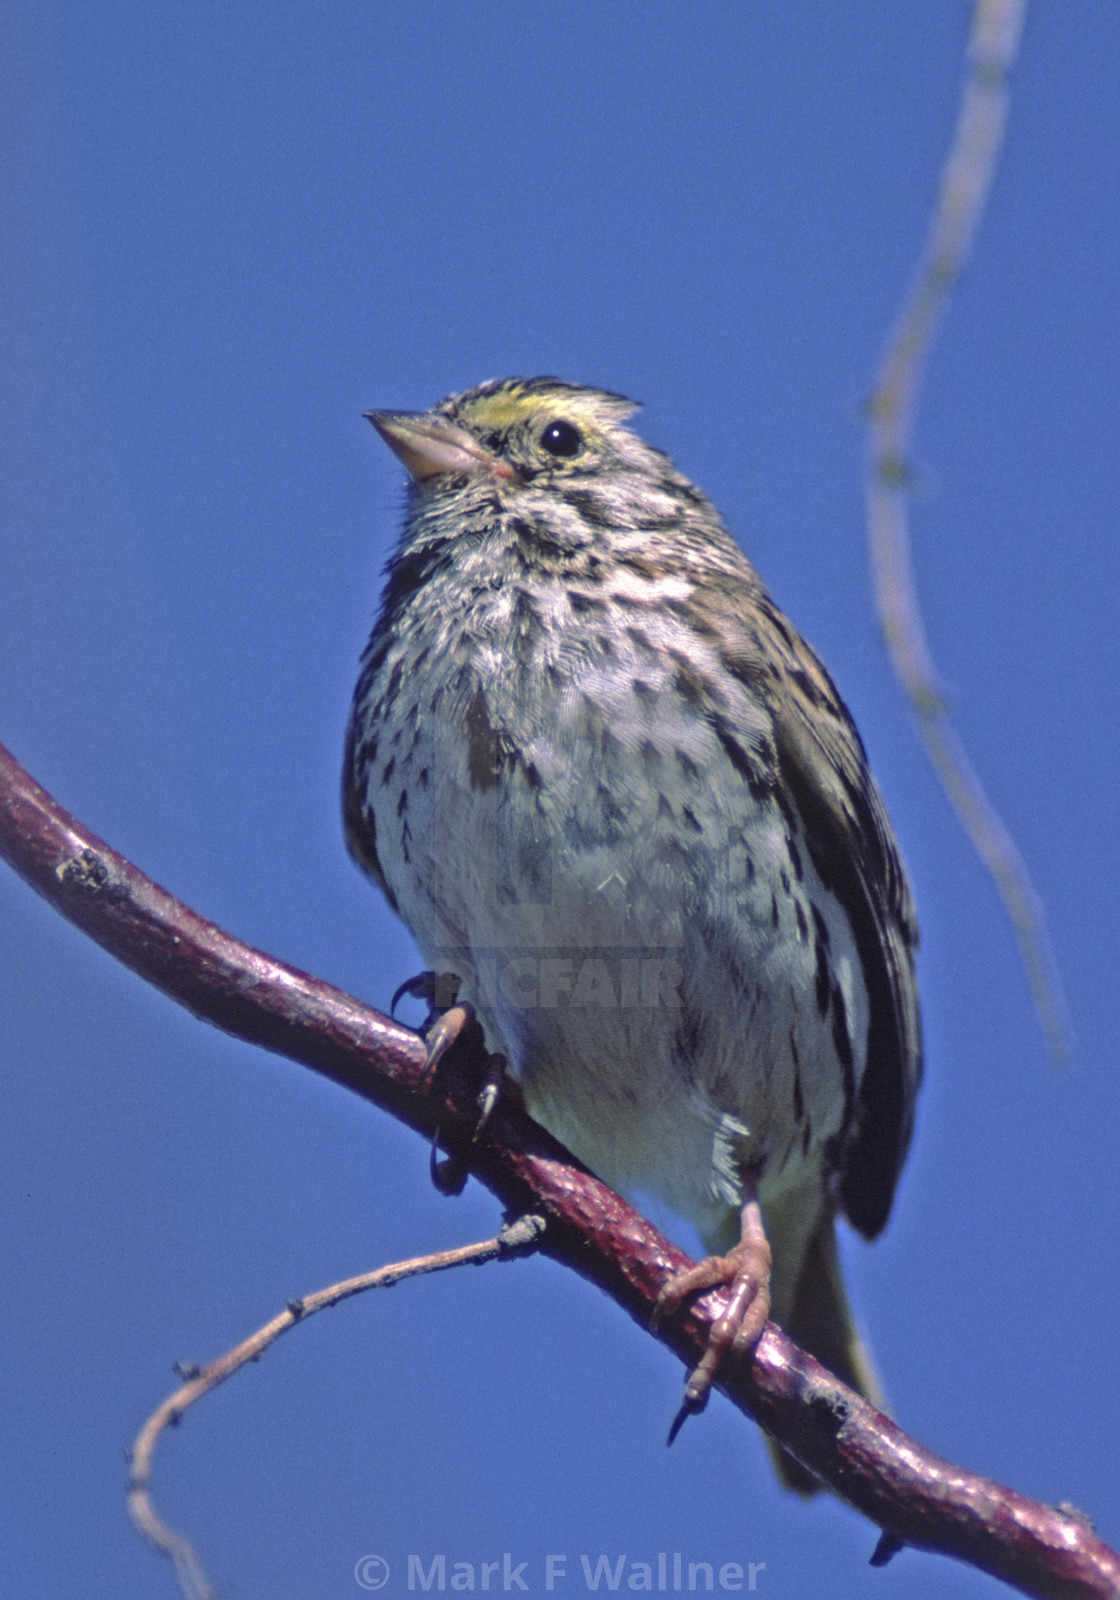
(228,230)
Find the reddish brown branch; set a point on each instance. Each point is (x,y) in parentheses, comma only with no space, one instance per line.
(915,1497)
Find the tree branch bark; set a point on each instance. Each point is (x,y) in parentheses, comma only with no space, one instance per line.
(913,1496)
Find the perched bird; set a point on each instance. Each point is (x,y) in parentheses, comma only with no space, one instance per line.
(608,785)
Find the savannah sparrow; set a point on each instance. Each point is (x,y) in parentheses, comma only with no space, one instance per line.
(608,785)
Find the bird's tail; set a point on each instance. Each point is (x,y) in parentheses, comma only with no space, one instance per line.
(819,1319)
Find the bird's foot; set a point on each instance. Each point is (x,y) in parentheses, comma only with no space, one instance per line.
(450,1174)
(738,1328)
(447,1023)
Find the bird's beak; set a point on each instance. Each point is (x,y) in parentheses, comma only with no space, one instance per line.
(430,446)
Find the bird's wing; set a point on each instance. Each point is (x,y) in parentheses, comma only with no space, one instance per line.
(823,767)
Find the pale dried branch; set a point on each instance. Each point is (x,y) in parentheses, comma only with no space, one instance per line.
(513,1239)
(913,1496)
(965,185)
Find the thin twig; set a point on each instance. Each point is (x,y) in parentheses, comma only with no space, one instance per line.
(513,1239)
(913,1495)
(962,197)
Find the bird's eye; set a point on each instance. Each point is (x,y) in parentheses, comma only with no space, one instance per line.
(560,438)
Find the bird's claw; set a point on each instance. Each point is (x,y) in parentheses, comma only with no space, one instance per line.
(738,1328)
(439,990)
(450,1175)
(445,1028)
